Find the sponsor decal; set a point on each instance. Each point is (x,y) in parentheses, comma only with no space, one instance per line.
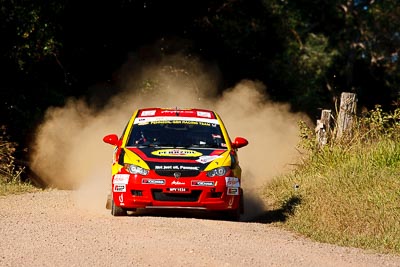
(232,182)
(185,111)
(171,111)
(206,159)
(203,183)
(121,179)
(231,202)
(191,122)
(159,121)
(176,153)
(121,199)
(176,167)
(119,188)
(188,122)
(148,113)
(178,183)
(233,191)
(166,167)
(153,181)
(178,189)
(204,114)
(153,119)
(190,168)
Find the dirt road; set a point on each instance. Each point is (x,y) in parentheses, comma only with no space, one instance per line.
(50,229)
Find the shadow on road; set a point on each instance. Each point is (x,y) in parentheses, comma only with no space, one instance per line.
(269,216)
(179,213)
(278,215)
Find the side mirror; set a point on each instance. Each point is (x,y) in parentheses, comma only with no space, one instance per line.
(112,139)
(239,142)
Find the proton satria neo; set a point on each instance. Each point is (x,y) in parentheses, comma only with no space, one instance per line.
(176,158)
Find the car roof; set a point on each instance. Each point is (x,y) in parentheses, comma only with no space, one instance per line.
(175,112)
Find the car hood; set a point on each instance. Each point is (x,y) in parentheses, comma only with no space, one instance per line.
(162,158)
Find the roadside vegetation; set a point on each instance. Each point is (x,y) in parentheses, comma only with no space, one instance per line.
(11,181)
(348,191)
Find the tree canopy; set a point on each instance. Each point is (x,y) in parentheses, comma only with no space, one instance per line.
(306,52)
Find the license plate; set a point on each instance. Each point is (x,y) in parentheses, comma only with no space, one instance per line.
(177,190)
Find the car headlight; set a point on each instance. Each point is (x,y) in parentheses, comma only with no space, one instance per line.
(220,171)
(134,169)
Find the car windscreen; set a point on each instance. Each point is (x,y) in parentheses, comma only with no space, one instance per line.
(176,133)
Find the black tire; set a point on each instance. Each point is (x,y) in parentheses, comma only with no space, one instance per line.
(108,202)
(232,215)
(117,211)
(241,202)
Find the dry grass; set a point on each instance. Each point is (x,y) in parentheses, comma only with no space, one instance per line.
(10,173)
(15,187)
(349,193)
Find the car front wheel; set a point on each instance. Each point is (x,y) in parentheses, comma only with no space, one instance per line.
(231,215)
(117,211)
(108,202)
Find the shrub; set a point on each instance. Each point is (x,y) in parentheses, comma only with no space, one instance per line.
(348,191)
(9,171)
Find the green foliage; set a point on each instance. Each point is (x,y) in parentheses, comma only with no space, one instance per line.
(379,33)
(316,57)
(368,44)
(306,52)
(307,138)
(335,46)
(242,29)
(349,192)
(9,171)
(32,27)
(379,124)
(302,68)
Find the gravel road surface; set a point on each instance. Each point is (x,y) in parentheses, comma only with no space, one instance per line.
(50,228)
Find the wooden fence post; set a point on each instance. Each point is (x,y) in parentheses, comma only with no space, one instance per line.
(323,127)
(347,112)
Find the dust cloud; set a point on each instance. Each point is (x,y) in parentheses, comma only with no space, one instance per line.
(69,152)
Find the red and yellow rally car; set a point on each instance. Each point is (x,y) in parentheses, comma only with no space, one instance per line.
(175,158)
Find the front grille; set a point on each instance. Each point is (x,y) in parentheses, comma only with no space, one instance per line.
(184,173)
(216,194)
(160,196)
(137,193)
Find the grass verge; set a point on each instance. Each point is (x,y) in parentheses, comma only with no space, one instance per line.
(10,172)
(15,187)
(347,195)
